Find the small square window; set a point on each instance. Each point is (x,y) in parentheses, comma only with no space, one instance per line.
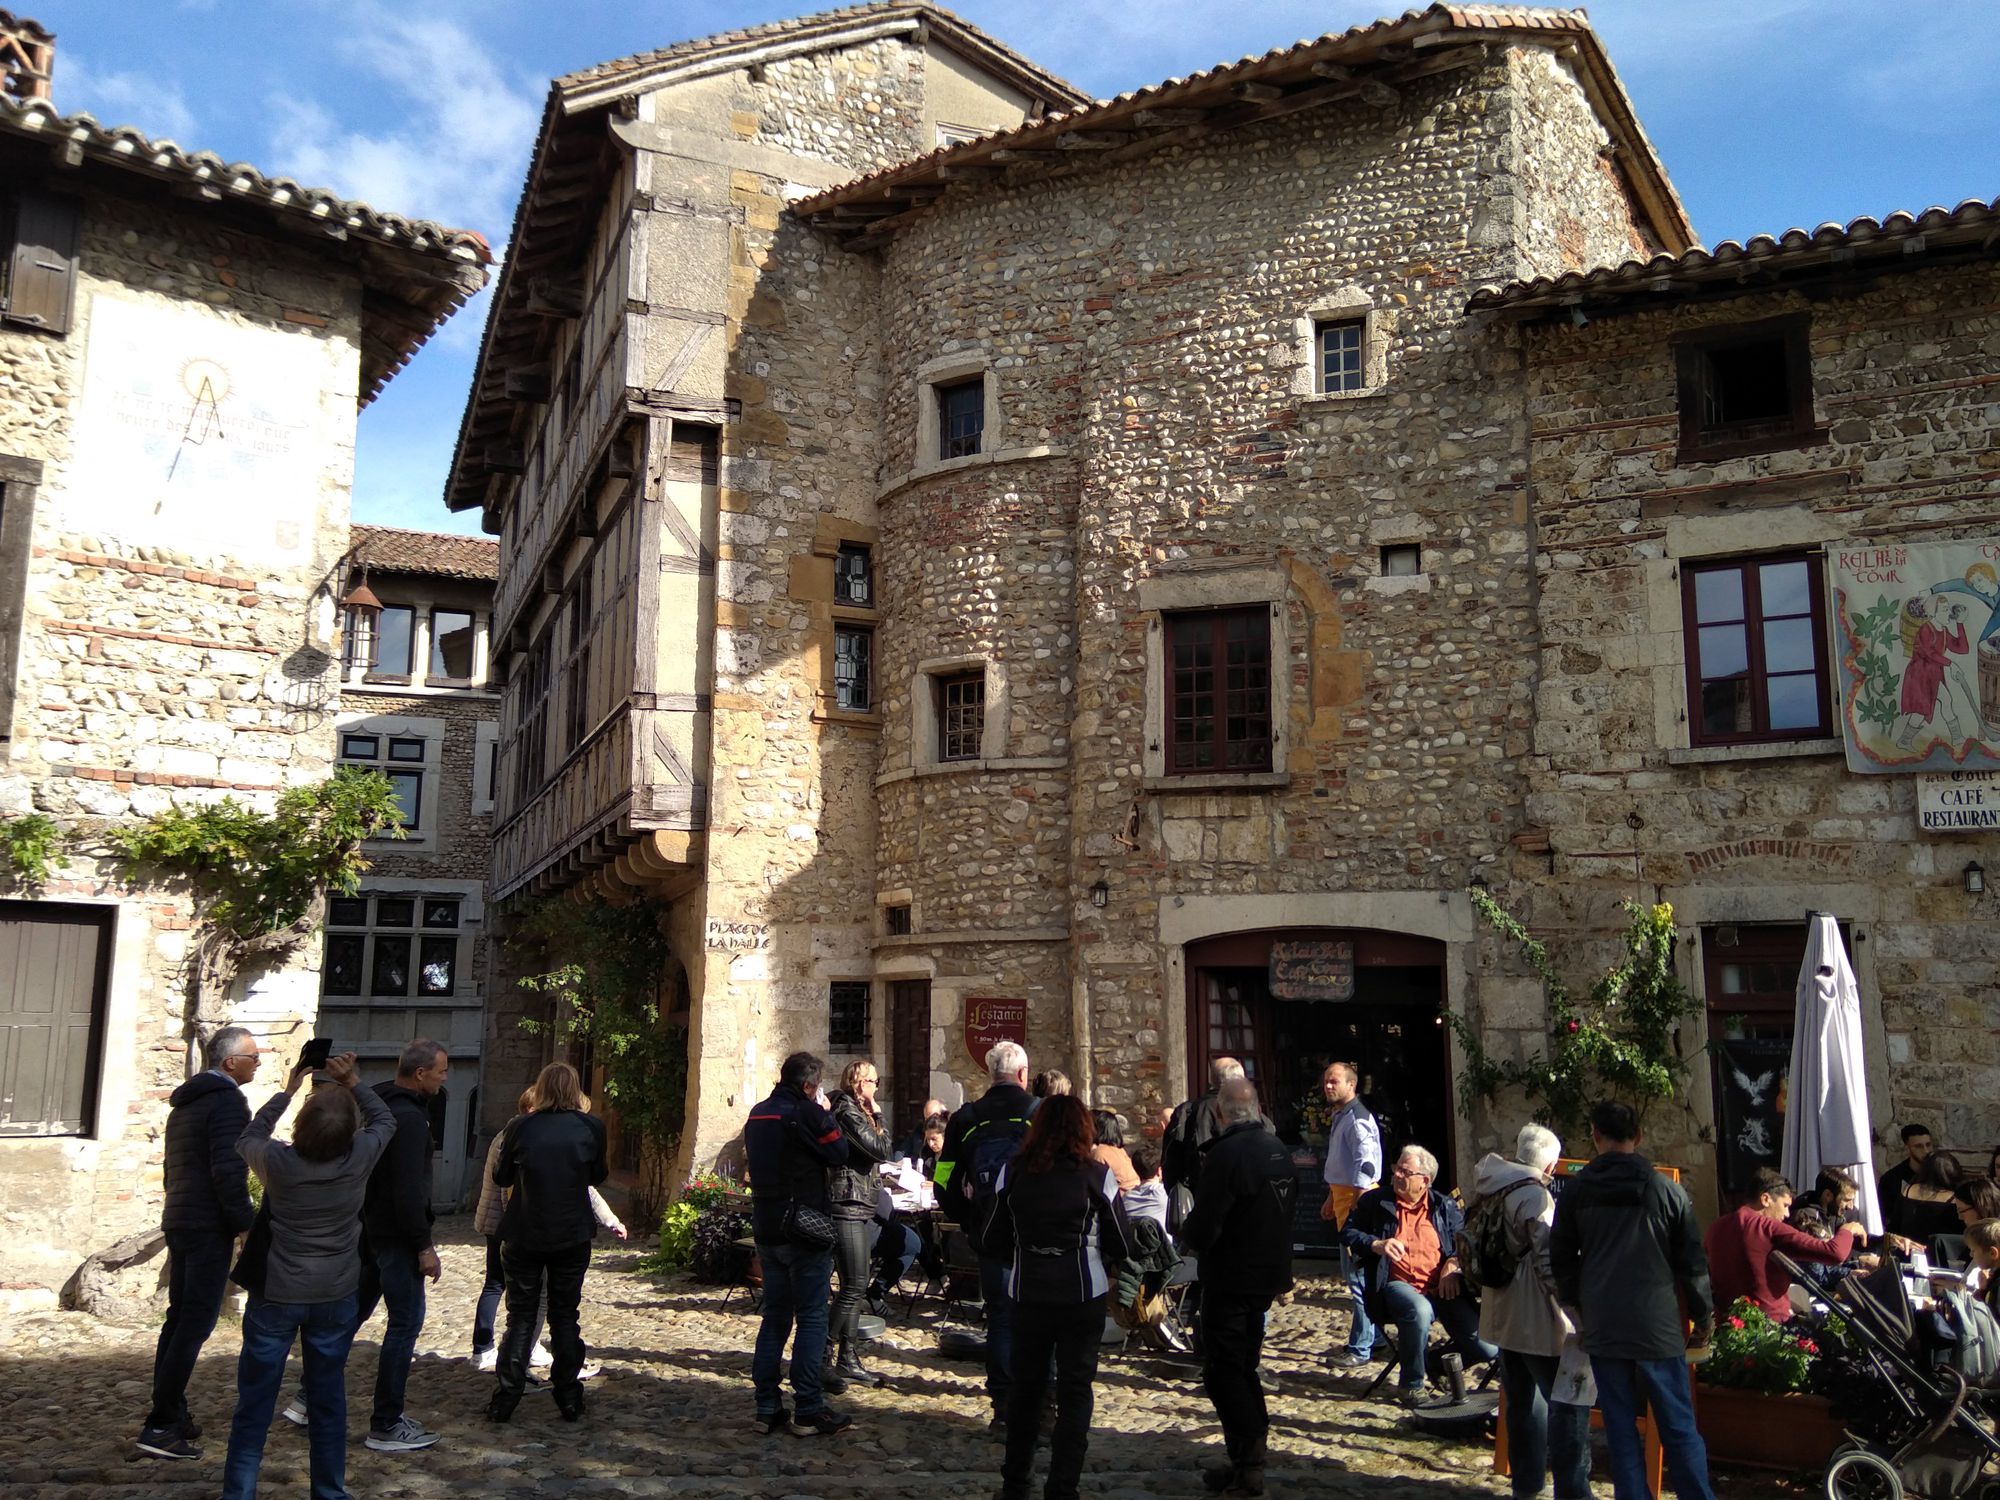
(400,749)
(1403,560)
(853,651)
(1745,389)
(847,1016)
(896,920)
(853,576)
(360,746)
(395,911)
(347,911)
(961,715)
(441,912)
(1343,354)
(961,417)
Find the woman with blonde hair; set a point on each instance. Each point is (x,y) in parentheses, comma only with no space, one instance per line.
(852,1190)
(550,1159)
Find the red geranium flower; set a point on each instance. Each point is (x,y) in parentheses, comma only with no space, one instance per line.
(1734,1322)
(1809,1346)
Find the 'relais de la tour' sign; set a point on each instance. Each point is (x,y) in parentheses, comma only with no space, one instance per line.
(1917,630)
(1312,970)
(991,1021)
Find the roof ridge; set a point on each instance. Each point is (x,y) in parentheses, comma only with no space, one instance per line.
(456,536)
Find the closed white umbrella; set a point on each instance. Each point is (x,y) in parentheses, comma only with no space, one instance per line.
(1826,1116)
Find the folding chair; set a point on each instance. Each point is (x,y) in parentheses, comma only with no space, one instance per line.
(961,1274)
(751,1282)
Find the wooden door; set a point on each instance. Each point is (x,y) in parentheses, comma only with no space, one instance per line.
(55,962)
(909,1054)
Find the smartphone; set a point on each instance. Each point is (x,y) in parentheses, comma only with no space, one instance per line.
(316,1052)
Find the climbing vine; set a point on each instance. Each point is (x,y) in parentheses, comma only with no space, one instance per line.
(605,969)
(1621,1041)
(33,848)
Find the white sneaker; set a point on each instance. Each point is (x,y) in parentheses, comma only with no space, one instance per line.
(541,1359)
(590,1371)
(488,1360)
(295,1410)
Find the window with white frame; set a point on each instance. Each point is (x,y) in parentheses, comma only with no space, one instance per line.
(401,758)
(451,646)
(1342,348)
(392,945)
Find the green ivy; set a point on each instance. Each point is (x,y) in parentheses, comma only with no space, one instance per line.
(259,874)
(1621,1042)
(605,967)
(34,849)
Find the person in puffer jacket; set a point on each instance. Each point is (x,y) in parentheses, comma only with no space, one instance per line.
(852,1189)
(1057,1224)
(1526,1320)
(486,1221)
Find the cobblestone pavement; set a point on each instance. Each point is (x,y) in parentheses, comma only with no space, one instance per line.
(670,1415)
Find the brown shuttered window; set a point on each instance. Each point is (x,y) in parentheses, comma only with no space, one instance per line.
(40,290)
(54,968)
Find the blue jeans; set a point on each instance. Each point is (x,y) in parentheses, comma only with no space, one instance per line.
(1662,1384)
(796,1282)
(999,1331)
(197,1279)
(1361,1332)
(392,1278)
(1413,1313)
(326,1329)
(1543,1435)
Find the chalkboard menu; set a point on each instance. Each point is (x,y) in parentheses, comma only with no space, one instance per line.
(1751,1077)
(1312,1236)
(1312,970)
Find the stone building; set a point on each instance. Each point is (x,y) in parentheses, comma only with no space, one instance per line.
(406,955)
(1734,456)
(184,344)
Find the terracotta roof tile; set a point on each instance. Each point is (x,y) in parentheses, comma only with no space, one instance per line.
(436,554)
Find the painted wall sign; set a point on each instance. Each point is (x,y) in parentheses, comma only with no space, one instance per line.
(1312,970)
(736,937)
(991,1021)
(1959,802)
(1917,630)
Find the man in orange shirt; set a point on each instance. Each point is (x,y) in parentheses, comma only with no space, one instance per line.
(1407,1238)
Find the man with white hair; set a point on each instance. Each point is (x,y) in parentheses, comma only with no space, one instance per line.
(1521,1313)
(1241,1228)
(1408,1233)
(977,1144)
(208,1205)
(1192,1126)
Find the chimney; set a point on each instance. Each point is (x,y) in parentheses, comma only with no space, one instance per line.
(27,57)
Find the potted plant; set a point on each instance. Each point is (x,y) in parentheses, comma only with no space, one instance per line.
(1759,1395)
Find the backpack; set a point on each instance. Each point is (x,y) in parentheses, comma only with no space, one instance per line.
(1973,1348)
(1486,1252)
(993,1143)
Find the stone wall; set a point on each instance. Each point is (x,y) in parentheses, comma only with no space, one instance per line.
(155,670)
(1902,381)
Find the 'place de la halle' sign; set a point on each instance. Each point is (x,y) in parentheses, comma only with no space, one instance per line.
(1312,970)
(991,1021)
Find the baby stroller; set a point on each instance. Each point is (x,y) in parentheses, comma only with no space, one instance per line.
(1915,1427)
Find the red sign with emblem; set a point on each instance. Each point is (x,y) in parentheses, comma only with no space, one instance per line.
(991,1021)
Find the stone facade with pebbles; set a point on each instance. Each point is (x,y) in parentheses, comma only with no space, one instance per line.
(178,393)
(1900,337)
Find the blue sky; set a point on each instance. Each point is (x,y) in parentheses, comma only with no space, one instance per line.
(1768,113)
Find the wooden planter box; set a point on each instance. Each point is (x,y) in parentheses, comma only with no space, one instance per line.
(1766,1432)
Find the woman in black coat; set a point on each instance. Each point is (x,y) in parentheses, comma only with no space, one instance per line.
(854,1194)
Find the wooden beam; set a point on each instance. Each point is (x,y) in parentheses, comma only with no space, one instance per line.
(531,384)
(1374,90)
(551,298)
(501,459)
(1258,93)
(1168,119)
(1093,140)
(1008,155)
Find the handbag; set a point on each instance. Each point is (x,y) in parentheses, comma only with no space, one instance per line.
(255,1258)
(808,1228)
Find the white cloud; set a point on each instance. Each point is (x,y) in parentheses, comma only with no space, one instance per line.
(145,100)
(458,134)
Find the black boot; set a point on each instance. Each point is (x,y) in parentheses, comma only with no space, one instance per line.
(501,1407)
(830,1379)
(1249,1477)
(1218,1477)
(850,1367)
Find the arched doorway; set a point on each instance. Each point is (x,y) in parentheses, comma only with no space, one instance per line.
(1289,1001)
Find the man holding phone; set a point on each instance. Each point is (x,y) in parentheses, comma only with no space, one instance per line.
(208,1205)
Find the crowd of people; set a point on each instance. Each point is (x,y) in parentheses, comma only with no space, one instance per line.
(1587,1297)
(344,1225)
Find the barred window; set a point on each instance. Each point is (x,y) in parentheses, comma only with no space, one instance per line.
(847,1015)
(961,715)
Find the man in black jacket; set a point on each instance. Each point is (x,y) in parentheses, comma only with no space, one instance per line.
(1241,1228)
(977,1144)
(1626,1252)
(208,1205)
(791,1142)
(396,1228)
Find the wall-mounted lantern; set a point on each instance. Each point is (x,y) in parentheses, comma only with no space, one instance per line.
(1975,879)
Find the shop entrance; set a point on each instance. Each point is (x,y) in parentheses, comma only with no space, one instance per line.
(1391,1028)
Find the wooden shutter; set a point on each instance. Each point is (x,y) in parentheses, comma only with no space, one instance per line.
(909,1053)
(41,276)
(53,966)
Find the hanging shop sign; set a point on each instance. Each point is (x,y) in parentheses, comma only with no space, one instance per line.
(1959,802)
(1917,630)
(1312,970)
(991,1021)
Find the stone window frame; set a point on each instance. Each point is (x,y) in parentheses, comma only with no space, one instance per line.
(812,584)
(1342,305)
(423,838)
(1214,588)
(925,724)
(1754,626)
(485,764)
(1699,538)
(370,930)
(948,370)
(20,483)
(1691,349)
